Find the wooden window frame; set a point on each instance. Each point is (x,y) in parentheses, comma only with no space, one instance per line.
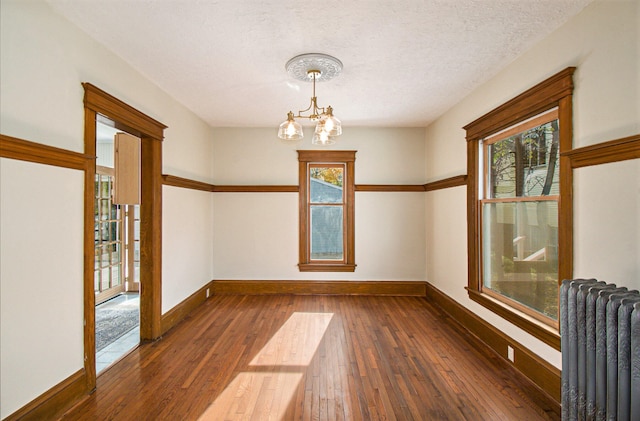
(305,159)
(556,91)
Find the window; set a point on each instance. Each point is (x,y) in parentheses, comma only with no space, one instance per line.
(520,206)
(519,216)
(326,183)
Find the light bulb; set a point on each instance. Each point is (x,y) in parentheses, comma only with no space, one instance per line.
(322,138)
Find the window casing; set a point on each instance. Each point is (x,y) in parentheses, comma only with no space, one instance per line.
(326,188)
(496,204)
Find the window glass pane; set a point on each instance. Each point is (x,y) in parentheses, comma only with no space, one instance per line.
(104,256)
(105,186)
(136,229)
(116,212)
(104,231)
(105,278)
(520,253)
(326,233)
(115,253)
(136,259)
(325,184)
(96,229)
(115,276)
(105,205)
(525,164)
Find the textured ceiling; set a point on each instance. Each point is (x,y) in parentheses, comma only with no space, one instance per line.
(405,61)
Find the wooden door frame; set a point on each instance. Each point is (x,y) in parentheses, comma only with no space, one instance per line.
(98,103)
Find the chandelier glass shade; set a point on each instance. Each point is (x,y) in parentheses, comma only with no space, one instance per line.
(313,67)
(290,129)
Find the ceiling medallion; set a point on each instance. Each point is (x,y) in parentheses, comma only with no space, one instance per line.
(327,66)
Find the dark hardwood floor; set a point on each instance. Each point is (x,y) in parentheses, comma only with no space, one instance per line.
(292,357)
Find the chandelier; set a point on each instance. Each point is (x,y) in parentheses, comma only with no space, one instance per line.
(313,68)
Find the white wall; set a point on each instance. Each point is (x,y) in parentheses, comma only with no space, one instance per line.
(44,60)
(256,235)
(187,224)
(41,271)
(607,233)
(603,43)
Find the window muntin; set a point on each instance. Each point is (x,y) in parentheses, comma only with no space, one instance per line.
(519,216)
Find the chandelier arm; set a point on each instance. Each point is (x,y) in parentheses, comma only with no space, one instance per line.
(311,105)
(316,111)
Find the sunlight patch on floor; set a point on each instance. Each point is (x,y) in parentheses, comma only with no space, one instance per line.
(266,394)
(296,341)
(254,396)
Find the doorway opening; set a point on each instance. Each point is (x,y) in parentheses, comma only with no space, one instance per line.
(116,253)
(117,328)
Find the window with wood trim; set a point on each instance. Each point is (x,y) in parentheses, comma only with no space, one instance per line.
(520,206)
(326,180)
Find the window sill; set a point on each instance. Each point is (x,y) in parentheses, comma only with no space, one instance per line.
(326,267)
(545,333)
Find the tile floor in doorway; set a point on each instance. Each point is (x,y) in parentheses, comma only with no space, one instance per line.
(121,346)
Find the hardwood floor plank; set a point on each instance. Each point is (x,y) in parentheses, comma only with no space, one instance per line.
(314,358)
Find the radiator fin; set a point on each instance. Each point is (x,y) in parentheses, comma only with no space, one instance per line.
(600,351)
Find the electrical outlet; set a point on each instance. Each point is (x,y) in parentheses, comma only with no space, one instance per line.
(510,353)
(207,292)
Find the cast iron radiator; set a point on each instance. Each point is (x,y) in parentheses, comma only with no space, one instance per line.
(600,339)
